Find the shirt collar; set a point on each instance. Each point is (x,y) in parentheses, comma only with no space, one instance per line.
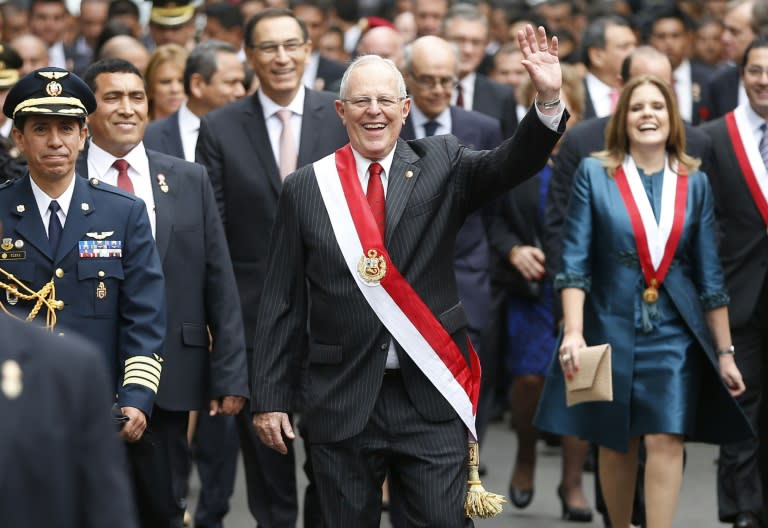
(188,121)
(418,119)
(43,200)
(755,121)
(362,164)
(269,107)
(597,88)
(101,160)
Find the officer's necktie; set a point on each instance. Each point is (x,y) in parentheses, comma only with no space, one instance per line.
(123,180)
(430,127)
(375,196)
(287,145)
(764,143)
(54,226)
(459,96)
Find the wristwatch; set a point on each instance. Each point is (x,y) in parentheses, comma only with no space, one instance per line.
(730,351)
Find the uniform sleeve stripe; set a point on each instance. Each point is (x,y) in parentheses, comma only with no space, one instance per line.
(139,381)
(143,375)
(143,368)
(145,360)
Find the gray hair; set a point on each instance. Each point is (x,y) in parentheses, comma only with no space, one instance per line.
(203,60)
(467,12)
(367,59)
(408,51)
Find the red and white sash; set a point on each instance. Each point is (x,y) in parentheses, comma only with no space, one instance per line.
(400,309)
(747,152)
(656,242)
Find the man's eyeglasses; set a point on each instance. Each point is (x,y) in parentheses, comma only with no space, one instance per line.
(270,48)
(362,102)
(755,71)
(426,81)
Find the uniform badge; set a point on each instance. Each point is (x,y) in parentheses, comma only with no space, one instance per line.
(53,89)
(7,244)
(162,183)
(99,235)
(372,268)
(11,383)
(101,290)
(11,296)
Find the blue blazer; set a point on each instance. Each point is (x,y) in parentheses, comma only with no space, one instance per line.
(600,257)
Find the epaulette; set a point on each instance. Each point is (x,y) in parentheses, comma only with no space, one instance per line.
(96,183)
(6,183)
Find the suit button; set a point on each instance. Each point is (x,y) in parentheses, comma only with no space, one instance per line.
(59,273)
(385,346)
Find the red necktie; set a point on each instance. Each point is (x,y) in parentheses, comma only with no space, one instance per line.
(375,196)
(459,96)
(123,180)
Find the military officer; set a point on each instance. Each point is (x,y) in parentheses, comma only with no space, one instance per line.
(78,256)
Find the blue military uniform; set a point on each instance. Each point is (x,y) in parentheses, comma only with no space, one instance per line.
(104,282)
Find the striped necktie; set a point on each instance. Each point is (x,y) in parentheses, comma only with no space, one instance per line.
(764,143)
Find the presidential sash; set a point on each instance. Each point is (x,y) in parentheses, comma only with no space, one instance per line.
(400,309)
(656,242)
(748,155)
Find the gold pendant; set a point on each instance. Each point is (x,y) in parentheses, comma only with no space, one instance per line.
(372,268)
(651,295)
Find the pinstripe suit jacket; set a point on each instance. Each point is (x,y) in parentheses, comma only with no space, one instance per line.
(348,345)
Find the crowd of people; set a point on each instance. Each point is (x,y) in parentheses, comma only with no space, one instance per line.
(282,218)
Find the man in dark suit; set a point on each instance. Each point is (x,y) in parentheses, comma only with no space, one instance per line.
(742,216)
(579,142)
(199,286)
(320,72)
(371,409)
(725,90)
(62,462)
(213,77)
(430,72)
(670,31)
(241,146)
(467,27)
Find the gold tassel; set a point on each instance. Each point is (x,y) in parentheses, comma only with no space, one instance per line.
(479,503)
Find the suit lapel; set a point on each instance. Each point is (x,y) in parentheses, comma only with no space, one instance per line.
(30,226)
(255,128)
(400,185)
(311,129)
(172,132)
(77,224)
(408,131)
(164,201)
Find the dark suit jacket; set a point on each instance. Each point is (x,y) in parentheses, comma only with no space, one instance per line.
(578,143)
(348,343)
(722,92)
(328,72)
(479,132)
(199,287)
(164,136)
(589,107)
(62,463)
(234,146)
(496,100)
(743,244)
(700,76)
(127,322)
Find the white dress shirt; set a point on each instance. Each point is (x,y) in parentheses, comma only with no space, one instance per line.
(310,70)
(418,120)
(275,125)
(684,90)
(56,55)
(189,129)
(100,166)
(600,94)
(44,202)
(467,91)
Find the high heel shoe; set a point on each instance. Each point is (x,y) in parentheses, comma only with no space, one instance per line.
(520,498)
(571,513)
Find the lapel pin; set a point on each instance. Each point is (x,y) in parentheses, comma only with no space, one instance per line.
(11,379)
(84,206)
(7,244)
(161,182)
(94,181)
(409,174)
(20,208)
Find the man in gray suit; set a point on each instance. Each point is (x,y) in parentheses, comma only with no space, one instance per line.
(390,385)
(248,150)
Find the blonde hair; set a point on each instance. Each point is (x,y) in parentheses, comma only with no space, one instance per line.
(573,89)
(617,140)
(172,53)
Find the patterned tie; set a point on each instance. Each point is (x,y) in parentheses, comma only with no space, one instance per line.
(764,143)
(459,96)
(288,152)
(430,127)
(123,180)
(54,226)
(375,196)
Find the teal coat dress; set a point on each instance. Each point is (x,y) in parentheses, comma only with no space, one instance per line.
(665,373)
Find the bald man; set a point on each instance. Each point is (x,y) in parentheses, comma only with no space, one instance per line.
(126,48)
(33,52)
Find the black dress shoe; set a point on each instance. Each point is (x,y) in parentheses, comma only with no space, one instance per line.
(746,520)
(571,513)
(520,498)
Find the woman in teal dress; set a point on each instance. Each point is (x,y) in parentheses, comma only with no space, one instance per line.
(641,272)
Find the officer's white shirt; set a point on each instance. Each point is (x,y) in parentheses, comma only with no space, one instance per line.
(189,129)
(44,202)
(100,166)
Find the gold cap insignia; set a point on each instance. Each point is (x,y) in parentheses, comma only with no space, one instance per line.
(53,89)
(53,75)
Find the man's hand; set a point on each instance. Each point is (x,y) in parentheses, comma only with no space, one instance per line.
(228,405)
(540,59)
(134,428)
(529,261)
(270,427)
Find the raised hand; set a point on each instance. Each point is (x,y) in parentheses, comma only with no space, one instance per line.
(540,59)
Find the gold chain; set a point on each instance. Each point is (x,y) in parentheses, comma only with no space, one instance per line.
(45,296)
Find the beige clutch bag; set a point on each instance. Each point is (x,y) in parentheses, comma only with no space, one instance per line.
(593,381)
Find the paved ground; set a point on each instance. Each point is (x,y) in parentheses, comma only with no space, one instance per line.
(698,505)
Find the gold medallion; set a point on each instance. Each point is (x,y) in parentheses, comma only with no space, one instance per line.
(372,268)
(650,295)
